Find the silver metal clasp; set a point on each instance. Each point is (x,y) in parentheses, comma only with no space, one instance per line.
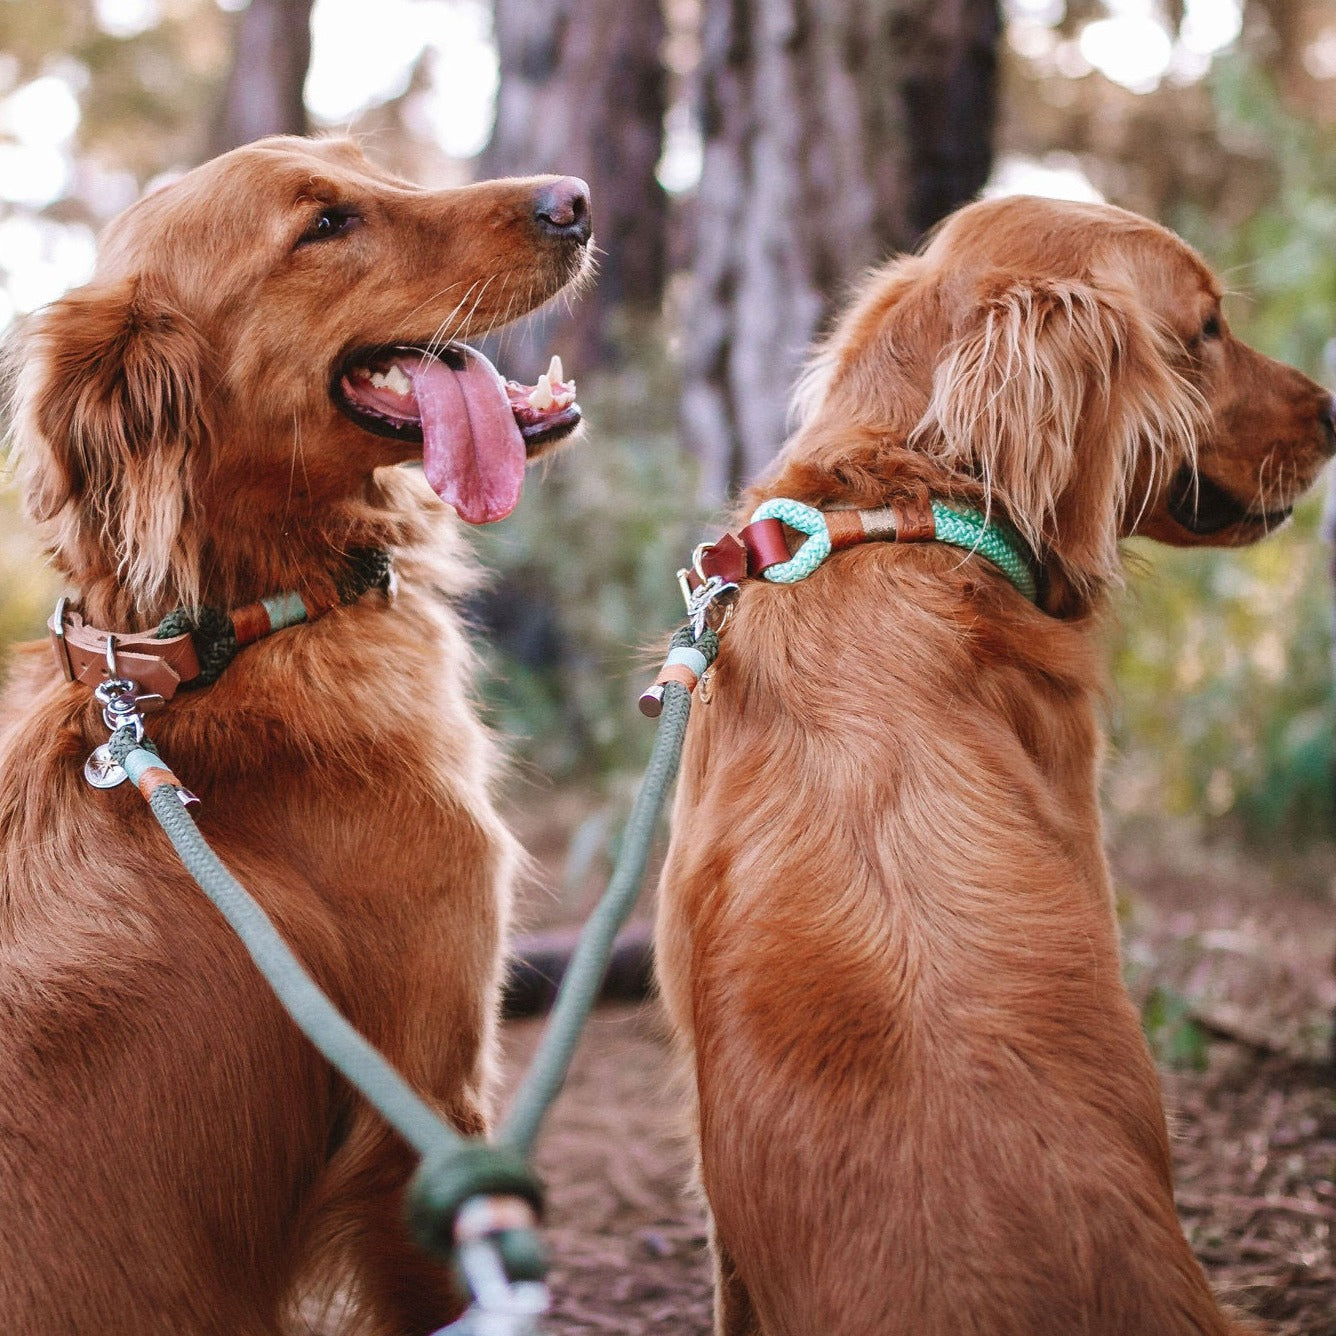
(710,604)
(501,1306)
(119,698)
(58,630)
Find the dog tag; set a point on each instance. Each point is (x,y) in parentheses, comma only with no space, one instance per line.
(101,771)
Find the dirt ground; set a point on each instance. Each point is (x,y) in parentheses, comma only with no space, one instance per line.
(1254,1133)
(1254,1150)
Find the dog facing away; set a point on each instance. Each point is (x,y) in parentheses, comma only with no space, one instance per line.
(211,421)
(886,935)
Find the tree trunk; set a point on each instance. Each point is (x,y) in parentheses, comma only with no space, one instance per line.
(835,132)
(583,93)
(264,88)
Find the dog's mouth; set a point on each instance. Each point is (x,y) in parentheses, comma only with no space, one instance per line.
(477,430)
(1204,507)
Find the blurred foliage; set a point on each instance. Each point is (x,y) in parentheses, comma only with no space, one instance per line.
(585,595)
(1281,258)
(28,589)
(1223,694)
(1174,1036)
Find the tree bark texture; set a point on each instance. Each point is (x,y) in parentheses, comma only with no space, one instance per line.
(835,133)
(264,89)
(583,93)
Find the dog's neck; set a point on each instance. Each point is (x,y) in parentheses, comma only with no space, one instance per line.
(246,555)
(876,474)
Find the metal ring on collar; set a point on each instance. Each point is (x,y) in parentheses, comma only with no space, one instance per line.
(806,519)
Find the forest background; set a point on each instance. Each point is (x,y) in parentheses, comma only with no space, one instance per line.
(749,158)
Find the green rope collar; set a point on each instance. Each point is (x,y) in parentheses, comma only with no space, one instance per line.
(960,526)
(219,633)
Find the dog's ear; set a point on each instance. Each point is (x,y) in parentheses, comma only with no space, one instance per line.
(112,403)
(1058,395)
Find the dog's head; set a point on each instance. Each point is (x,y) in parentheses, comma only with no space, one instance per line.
(263,334)
(1069,366)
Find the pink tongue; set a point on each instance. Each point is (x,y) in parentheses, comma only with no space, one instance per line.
(472,450)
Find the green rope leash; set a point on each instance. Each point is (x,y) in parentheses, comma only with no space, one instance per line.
(963,526)
(454,1169)
(806,519)
(584,974)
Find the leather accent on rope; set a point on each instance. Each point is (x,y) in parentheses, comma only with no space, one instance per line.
(219,635)
(761,549)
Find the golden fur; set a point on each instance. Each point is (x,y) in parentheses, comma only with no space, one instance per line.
(174,1157)
(886,937)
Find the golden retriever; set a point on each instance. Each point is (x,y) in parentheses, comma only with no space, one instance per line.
(210,421)
(886,936)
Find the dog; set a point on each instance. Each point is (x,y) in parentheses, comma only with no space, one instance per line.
(886,937)
(214,419)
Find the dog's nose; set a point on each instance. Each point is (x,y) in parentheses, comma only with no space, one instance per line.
(1326,414)
(561,209)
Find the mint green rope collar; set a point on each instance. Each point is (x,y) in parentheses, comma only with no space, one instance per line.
(960,526)
(965,527)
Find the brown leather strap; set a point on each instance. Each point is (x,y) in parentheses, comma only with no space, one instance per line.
(914,520)
(158,666)
(726,557)
(734,557)
(766,545)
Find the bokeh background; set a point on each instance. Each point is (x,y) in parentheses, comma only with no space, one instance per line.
(749,159)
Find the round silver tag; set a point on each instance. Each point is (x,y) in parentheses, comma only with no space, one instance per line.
(101,771)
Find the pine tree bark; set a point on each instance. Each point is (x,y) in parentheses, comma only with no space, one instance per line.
(583,93)
(264,89)
(835,132)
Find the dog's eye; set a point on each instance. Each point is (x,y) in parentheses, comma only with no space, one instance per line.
(329,222)
(1210,328)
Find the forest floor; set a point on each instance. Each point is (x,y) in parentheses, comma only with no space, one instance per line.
(1245,992)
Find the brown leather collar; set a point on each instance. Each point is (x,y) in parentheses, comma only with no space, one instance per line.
(208,639)
(88,654)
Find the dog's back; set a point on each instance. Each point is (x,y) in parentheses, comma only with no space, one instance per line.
(924,1101)
(886,935)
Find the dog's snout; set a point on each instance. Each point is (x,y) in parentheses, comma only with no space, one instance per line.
(1326,415)
(561,209)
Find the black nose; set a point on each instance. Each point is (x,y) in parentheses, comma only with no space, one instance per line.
(561,210)
(1326,414)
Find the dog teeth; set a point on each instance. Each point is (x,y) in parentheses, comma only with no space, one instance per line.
(555,374)
(541,395)
(393,380)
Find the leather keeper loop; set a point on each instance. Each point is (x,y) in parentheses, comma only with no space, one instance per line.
(158,666)
(766,545)
(726,557)
(914,520)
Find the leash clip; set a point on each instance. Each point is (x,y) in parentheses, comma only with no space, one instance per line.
(121,708)
(710,604)
(119,698)
(503,1305)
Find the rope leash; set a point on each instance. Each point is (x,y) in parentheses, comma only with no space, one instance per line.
(471,1203)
